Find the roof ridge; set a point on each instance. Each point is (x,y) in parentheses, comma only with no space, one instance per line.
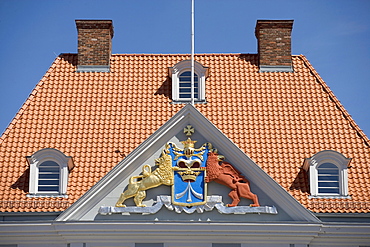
(28,100)
(327,89)
(176,54)
(180,54)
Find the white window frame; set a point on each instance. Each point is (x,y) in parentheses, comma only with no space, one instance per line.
(328,156)
(181,67)
(49,154)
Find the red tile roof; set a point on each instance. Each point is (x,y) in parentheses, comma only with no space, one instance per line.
(277,119)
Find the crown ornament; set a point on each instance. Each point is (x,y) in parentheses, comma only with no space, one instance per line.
(189,147)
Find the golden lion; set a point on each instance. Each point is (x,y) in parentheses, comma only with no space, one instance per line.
(136,188)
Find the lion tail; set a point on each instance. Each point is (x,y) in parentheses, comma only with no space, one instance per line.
(133,179)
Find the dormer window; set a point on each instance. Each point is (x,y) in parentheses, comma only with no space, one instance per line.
(185,86)
(328,172)
(49,169)
(328,179)
(49,177)
(181,82)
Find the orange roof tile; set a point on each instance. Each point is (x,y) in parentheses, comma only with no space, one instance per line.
(277,119)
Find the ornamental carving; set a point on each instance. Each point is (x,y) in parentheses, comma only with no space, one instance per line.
(188,171)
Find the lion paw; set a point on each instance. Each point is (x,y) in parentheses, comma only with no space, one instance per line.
(254,205)
(120,205)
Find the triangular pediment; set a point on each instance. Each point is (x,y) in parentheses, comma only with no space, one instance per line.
(98,203)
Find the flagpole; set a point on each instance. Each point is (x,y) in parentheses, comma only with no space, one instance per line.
(192,52)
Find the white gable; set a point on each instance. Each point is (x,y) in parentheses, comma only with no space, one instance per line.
(107,191)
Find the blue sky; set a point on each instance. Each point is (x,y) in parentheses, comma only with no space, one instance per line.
(333,35)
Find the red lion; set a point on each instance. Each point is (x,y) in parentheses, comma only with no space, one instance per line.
(227,175)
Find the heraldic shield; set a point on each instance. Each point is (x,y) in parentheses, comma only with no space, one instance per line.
(189,166)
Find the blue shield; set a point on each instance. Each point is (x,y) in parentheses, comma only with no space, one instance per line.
(189,166)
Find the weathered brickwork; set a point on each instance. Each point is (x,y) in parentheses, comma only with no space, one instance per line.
(94,42)
(274,42)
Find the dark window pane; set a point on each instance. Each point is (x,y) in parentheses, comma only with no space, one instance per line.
(48,170)
(328,165)
(185,79)
(186,76)
(49,188)
(184,96)
(186,73)
(48,176)
(328,178)
(328,184)
(185,90)
(185,85)
(49,182)
(49,164)
(328,171)
(329,190)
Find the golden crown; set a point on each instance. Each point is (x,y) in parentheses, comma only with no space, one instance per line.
(188,143)
(186,176)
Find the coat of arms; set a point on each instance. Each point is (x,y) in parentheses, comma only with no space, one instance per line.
(188,170)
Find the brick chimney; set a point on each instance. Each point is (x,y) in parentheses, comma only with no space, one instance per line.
(274,45)
(94,45)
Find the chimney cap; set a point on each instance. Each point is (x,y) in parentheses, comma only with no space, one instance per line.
(95,24)
(266,24)
(275,21)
